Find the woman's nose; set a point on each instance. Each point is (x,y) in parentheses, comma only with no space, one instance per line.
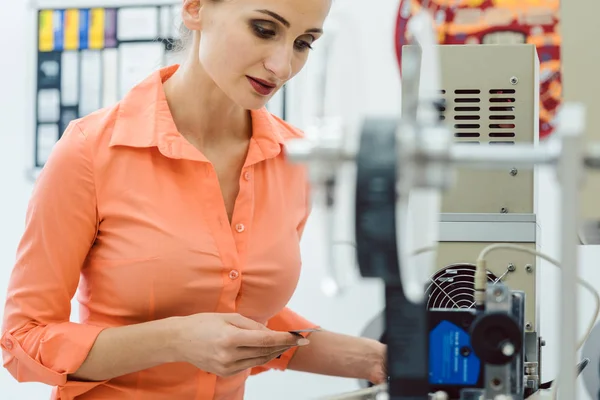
(280,63)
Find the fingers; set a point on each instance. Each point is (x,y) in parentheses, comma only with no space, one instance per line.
(244,323)
(269,339)
(245,353)
(248,363)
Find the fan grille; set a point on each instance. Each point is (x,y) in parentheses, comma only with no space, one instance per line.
(453,287)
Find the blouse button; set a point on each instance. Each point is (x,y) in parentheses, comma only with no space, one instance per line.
(247,175)
(233,274)
(8,344)
(240,228)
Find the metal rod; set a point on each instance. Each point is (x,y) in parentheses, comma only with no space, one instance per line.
(501,156)
(569,170)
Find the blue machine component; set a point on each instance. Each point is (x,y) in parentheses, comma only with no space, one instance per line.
(451,357)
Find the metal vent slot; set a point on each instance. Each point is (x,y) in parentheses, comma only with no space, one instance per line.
(502,100)
(467,109)
(502,126)
(467,100)
(502,135)
(502,117)
(467,117)
(467,91)
(502,142)
(442,105)
(502,91)
(466,134)
(467,126)
(508,109)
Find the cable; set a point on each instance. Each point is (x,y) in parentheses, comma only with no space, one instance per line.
(423,250)
(481,264)
(583,283)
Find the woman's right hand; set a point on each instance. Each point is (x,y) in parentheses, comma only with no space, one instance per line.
(226,344)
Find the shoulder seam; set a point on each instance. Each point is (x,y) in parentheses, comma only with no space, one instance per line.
(93,169)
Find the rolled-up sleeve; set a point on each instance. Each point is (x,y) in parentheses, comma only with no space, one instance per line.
(39,343)
(286,320)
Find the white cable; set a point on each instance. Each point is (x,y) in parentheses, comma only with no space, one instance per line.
(583,283)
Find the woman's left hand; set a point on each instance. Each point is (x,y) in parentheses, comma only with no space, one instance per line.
(345,356)
(379,372)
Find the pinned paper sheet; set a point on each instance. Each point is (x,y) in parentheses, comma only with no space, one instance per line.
(46,139)
(137,23)
(137,61)
(90,90)
(110,76)
(49,105)
(69,85)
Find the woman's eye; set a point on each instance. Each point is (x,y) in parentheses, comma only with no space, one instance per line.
(303,45)
(263,32)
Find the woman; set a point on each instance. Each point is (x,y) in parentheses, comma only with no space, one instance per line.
(178,211)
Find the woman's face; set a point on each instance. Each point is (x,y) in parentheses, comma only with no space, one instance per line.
(250,48)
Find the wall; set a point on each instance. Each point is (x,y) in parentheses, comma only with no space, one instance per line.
(365,82)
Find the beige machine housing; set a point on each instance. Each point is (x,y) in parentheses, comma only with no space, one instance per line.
(491,96)
(491,99)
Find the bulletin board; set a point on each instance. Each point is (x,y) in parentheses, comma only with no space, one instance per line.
(88,58)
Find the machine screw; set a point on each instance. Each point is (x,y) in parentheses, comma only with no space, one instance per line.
(528,326)
(529,268)
(542,343)
(440,396)
(514,172)
(504,210)
(514,80)
(511,268)
(499,294)
(508,349)
(496,383)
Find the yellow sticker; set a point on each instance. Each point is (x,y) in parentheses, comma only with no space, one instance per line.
(72,29)
(96,32)
(46,31)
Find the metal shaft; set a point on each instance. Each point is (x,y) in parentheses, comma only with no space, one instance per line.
(502,156)
(569,171)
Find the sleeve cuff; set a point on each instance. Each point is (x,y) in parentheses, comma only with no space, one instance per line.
(286,320)
(62,350)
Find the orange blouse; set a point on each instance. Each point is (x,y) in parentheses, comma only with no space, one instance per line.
(131,214)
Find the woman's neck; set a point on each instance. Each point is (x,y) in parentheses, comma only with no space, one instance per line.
(201,111)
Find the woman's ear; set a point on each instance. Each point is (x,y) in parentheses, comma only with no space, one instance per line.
(190,14)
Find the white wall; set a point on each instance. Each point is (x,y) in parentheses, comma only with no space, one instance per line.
(365,63)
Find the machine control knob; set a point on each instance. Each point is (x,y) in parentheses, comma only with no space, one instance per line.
(496,338)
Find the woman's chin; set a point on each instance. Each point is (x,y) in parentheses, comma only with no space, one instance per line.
(253,103)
